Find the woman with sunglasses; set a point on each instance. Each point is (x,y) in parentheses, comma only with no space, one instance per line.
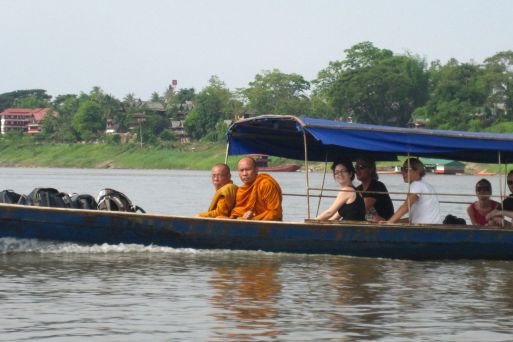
(349,204)
(478,210)
(422,201)
(378,204)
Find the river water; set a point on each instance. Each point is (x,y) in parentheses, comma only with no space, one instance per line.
(65,291)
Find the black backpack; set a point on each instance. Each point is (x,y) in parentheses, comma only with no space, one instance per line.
(113,200)
(451,219)
(83,201)
(11,197)
(49,197)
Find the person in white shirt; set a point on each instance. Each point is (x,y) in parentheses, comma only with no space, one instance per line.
(422,201)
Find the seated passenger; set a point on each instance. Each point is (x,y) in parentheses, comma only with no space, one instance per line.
(259,197)
(349,204)
(224,198)
(421,202)
(378,205)
(478,210)
(507,204)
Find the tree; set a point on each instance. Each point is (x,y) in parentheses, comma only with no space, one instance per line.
(274,92)
(498,75)
(38,98)
(87,121)
(374,86)
(213,104)
(458,94)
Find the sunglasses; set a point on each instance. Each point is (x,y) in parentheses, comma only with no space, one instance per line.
(340,172)
(361,167)
(405,169)
(483,189)
(510,182)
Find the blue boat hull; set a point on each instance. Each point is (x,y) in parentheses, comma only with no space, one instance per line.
(387,241)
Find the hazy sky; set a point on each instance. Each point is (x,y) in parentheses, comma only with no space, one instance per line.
(123,46)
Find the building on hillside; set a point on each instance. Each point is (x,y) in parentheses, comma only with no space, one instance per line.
(177,123)
(111,127)
(136,121)
(178,129)
(184,109)
(155,107)
(22,119)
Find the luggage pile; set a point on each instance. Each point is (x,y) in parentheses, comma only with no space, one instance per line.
(108,199)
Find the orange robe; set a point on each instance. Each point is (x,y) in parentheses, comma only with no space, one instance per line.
(223,201)
(263,197)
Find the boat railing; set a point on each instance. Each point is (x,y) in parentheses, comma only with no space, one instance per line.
(321,195)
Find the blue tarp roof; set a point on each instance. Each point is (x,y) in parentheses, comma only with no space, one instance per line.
(284,136)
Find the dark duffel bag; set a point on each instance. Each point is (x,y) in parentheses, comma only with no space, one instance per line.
(48,197)
(11,197)
(83,201)
(113,200)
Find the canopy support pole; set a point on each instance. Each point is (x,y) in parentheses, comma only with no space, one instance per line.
(501,185)
(226,153)
(307,174)
(409,187)
(322,186)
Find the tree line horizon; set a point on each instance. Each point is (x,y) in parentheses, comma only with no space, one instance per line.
(370,85)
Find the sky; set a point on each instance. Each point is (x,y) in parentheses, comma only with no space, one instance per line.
(139,47)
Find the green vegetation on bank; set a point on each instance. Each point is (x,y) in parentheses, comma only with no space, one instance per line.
(128,156)
(189,156)
(111,156)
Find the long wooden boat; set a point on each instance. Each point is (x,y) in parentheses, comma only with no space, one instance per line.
(295,138)
(354,238)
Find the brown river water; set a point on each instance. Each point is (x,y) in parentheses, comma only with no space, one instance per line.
(67,292)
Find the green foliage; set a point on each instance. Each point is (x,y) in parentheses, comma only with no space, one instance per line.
(32,98)
(374,86)
(213,104)
(502,127)
(499,78)
(153,126)
(88,121)
(458,94)
(112,139)
(167,135)
(217,135)
(274,92)
(32,102)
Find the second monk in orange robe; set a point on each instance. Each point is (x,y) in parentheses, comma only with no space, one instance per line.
(259,198)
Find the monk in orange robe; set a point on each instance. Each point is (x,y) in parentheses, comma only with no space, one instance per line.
(224,198)
(259,198)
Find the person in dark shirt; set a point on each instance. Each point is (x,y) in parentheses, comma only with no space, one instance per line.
(378,205)
(507,204)
(349,204)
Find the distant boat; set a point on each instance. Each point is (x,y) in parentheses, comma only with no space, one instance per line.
(484,173)
(389,171)
(262,162)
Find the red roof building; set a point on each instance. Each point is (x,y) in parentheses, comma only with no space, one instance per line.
(22,119)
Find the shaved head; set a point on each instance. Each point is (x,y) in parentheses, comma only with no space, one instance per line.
(220,175)
(247,170)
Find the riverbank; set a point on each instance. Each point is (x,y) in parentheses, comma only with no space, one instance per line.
(124,156)
(194,156)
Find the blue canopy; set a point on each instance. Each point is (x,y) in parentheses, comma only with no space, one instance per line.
(285,136)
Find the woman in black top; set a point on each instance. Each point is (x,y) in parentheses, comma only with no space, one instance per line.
(349,204)
(378,204)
